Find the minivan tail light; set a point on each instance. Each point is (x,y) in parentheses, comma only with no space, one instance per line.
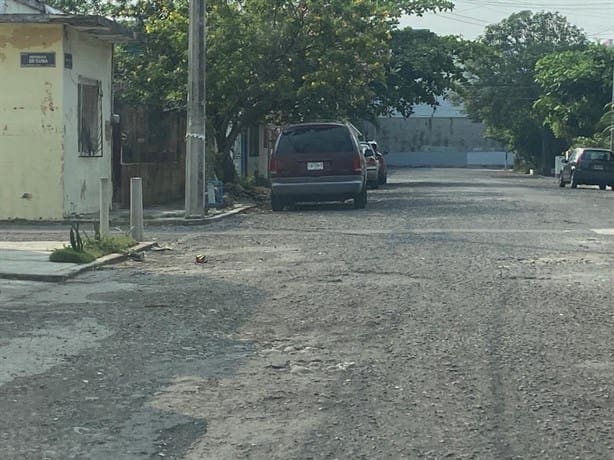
(273,166)
(356,164)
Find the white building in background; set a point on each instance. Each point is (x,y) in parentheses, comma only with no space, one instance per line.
(437,137)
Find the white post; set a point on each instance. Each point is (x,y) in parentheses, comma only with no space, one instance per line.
(136,208)
(105,199)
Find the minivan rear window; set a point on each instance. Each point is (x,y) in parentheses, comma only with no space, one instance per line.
(315,139)
(597,155)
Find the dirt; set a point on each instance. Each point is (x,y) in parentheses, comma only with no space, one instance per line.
(435,324)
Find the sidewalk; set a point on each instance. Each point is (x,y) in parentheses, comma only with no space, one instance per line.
(29,260)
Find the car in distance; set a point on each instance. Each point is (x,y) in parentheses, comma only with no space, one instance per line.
(383,169)
(588,166)
(372,165)
(315,162)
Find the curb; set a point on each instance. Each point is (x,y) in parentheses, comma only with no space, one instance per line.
(77,269)
(147,220)
(195,221)
(116,257)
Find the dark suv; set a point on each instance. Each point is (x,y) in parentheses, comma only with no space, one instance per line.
(317,162)
(589,166)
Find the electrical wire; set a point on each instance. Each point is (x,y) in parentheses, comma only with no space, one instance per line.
(574,9)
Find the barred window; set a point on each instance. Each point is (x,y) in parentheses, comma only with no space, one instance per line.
(90,118)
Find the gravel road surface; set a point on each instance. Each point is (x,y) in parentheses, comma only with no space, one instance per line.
(463,314)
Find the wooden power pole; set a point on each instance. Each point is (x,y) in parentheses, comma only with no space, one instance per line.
(195,135)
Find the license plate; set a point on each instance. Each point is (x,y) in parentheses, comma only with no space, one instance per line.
(315,165)
(600,167)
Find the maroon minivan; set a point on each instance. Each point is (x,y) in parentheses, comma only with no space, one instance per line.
(314,162)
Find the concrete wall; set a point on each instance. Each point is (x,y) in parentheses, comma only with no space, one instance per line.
(454,134)
(453,141)
(450,159)
(42,175)
(91,60)
(31,124)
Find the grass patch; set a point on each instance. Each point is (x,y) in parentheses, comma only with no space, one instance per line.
(69,255)
(93,249)
(109,245)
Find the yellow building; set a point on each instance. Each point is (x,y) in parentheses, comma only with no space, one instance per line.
(55,110)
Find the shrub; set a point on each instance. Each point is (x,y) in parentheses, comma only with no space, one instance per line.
(93,249)
(109,245)
(69,255)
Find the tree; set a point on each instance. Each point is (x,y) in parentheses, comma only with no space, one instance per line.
(422,66)
(283,60)
(576,87)
(291,61)
(501,90)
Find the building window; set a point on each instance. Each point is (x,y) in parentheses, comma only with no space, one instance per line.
(90,118)
(253,136)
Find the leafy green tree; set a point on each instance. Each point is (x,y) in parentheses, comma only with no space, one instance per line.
(501,90)
(422,66)
(576,87)
(291,61)
(283,60)
(153,70)
(80,6)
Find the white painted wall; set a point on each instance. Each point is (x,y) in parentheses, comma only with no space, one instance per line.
(92,59)
(450,159)
(505,159)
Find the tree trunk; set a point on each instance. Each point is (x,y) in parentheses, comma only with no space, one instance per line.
(224,165)
(547,153)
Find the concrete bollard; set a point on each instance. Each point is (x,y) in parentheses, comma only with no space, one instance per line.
(136,208)
(105,198)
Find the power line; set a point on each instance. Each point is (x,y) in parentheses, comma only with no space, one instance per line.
(593,17)
(547,5)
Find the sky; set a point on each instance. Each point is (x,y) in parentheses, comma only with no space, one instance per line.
(595,17)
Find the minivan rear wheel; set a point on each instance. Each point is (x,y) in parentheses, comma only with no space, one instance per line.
(360,200)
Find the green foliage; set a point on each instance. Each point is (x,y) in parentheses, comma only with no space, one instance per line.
(576,87)
(92,249)
(501,90)
(76,243)
(422,66)
(80,6)
(153,70)
(69,255)
(254,181)
(109,245)
(293,61)
(279,61)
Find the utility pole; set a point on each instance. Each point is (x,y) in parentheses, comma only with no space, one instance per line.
(612,117)
(195,136)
